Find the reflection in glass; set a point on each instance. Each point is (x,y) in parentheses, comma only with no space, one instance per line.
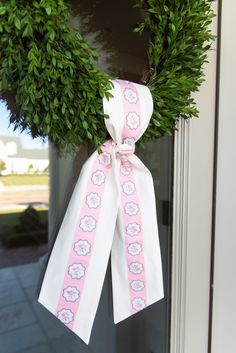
(108,26)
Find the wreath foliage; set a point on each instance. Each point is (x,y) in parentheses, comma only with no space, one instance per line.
(51,72)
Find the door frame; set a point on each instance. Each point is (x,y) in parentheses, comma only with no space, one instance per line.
(192,217)
(223,311)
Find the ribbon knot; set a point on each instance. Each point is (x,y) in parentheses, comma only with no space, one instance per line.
(124,150)
(112,211)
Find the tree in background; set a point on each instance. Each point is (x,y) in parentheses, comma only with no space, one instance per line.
(2,166)
(30,168)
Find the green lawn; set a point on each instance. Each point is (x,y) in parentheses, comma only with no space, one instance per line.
(25,179)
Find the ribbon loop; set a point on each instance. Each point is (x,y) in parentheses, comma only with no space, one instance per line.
(112,210)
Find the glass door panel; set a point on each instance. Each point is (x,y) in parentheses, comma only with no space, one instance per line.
(108,26)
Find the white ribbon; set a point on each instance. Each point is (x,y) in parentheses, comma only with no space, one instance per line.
(112,210)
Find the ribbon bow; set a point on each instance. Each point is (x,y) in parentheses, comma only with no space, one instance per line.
(112,210)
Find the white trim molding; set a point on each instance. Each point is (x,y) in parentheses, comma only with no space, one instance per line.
(192,219)
(179,243)
(224,290)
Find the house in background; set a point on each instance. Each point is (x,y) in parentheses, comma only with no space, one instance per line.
(19,160)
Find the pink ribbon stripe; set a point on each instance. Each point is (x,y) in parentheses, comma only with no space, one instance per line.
(132,218)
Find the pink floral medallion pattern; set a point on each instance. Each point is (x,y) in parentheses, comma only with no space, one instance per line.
(137,285)
(125,169)
(136,267)
(130,95)
(128,187)
(98,177)
(133,120)
(105,158)
(133,229)
(76,270)
(87,223)
(93,200)
(71,294)
(131,208)
(138,304)
(134,249)
(65,316)
(82,247)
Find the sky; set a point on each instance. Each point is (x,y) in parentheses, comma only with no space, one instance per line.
(6,130)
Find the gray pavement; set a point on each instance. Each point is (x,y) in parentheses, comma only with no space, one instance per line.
(25,325)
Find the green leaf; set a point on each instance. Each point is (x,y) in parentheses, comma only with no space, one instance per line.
(90,137)
(52,35)
(17,23)
(63,109)
(48,10)
(48,46)
(85,124)
(3,10)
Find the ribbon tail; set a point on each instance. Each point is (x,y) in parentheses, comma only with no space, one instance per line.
(136,259)
(99,261)
(74,277)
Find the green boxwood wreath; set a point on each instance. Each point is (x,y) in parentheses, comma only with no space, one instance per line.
(53,88)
